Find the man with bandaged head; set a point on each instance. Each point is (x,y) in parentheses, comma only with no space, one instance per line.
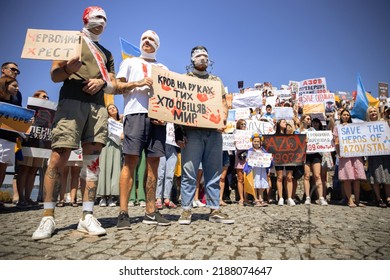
(81,119)
(201,146)
(141,133)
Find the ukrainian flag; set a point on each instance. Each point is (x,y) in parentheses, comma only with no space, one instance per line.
(361,103)
(128,49)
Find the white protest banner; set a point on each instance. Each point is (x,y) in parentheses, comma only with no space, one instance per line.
(15,118)
(252,98)
(286,113)
(284,94)
(115,130)
(170,136)
(242,113)
(185,100)
(38,142)
(242,139)
(364,139)
(312,86)
(261,127)
(319,142)
(228,142)
(259,159)
(51,44)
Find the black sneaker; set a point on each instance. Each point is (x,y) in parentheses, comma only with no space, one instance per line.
(155,219)
(123,221)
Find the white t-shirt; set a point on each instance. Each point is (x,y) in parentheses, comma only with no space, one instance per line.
(135,69)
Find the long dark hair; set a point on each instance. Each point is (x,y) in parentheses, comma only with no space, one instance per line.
(349,119)
(278,129)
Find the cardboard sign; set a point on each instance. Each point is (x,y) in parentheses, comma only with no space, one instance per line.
(259,159)
(287,150)
(228,142)
(38,143)
(51,44)
(319,142)
(185,100)
(364,139)
(15,118)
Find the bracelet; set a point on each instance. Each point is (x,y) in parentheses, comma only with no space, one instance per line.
(66,71)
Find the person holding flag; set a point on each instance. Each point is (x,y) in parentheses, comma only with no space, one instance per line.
(81,117)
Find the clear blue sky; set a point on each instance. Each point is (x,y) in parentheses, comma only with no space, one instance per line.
(249,40)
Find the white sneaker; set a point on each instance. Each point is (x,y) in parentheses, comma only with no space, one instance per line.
(323,202)
(198,203)
(45,228)
(131,203)
(111,202)
(281,201)
(91,226)
(308,201)
(103,202)
(142,204)
(290,202)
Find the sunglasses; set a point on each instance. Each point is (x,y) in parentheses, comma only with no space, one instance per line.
(13,69)
(45,97)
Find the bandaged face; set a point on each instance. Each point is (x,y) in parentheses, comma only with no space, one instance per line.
(200,57)
(150,38)
(94,16)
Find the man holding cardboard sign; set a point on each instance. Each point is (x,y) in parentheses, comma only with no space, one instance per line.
(81,117)
(202,145)
(142,133)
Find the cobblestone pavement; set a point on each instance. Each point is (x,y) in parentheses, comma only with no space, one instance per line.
(270,233)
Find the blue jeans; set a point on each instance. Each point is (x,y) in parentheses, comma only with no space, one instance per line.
(203,146)
(166,170)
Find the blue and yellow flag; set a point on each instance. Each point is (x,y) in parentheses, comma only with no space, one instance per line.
(128,49)
(361,103)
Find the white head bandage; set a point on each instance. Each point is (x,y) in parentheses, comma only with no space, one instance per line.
(155,43)
(92,18)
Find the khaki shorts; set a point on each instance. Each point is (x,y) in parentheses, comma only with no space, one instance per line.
(76,122)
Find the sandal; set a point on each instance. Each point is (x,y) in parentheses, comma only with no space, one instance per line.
(352,205)
(170,205)
(60,203)
(241,203)
(222,203)
(75,204)
(381,204)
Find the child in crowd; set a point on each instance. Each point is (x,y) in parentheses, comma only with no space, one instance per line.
(260,174)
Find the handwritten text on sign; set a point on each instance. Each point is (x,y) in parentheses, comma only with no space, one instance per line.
(186,100)
(15,118)
(286,149)
(319,141)
(364,139)
(51,44)
(259,159)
